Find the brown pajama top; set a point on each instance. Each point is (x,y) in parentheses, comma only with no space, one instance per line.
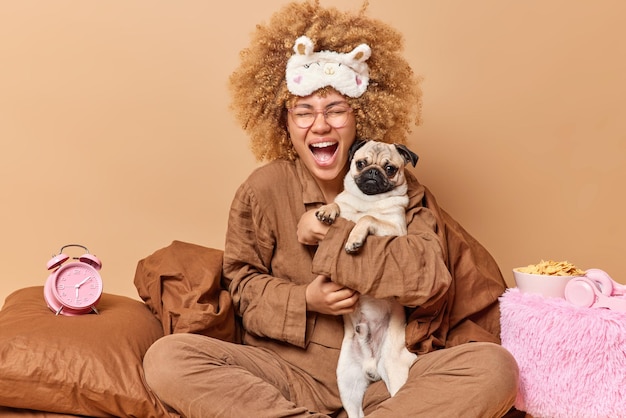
(446,279)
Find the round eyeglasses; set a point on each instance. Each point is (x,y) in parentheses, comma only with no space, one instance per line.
(335,115)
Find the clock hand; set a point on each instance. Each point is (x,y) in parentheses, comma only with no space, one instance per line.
(78,285)
(82,283)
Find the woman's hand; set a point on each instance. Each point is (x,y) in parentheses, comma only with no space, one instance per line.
(310,229)
(327,297)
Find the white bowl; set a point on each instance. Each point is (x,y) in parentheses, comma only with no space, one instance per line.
(545,285)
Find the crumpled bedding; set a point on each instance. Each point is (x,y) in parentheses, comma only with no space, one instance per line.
(181,283)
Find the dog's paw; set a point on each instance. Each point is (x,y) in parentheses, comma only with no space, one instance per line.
(353,245)
(328,213)
(356,239)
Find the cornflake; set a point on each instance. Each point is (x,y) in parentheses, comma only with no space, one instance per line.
(552,268)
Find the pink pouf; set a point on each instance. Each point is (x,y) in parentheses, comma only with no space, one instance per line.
(572,360)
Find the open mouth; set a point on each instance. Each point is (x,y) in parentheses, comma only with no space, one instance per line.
(323,151)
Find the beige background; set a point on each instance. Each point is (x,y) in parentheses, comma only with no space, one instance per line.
(115,130)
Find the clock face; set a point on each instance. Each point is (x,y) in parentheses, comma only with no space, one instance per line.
(77,285)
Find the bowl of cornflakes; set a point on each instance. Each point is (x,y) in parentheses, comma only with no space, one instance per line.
(547,278)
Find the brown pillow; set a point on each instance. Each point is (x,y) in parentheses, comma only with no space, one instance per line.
(29,413)
(83,365)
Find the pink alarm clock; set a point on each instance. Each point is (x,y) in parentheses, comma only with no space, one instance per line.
(74,288)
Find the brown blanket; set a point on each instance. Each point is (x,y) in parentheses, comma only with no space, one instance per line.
(181,284)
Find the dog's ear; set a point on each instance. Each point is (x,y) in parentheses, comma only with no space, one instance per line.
(408,155)
(358,143)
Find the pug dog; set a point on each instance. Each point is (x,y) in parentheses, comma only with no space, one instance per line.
(375,198)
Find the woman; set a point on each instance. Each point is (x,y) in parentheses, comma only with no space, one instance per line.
(287,272)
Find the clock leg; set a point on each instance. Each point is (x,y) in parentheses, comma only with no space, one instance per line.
(93,308)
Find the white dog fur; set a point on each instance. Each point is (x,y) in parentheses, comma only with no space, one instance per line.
(374,345)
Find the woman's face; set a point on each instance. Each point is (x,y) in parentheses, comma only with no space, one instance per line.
(323,146)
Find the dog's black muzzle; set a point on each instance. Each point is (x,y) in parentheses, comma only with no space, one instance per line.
(373,181)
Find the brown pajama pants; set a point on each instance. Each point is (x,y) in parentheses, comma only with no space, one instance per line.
(203,377)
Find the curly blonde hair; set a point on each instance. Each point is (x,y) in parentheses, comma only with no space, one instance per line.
(385,112)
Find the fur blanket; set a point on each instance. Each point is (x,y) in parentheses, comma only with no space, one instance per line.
(572,360)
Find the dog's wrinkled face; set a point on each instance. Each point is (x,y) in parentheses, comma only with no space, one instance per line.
(377,167)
